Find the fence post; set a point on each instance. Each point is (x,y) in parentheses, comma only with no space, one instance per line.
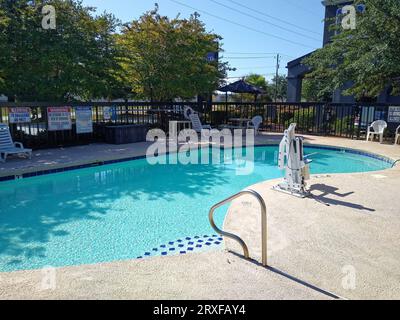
(360,115)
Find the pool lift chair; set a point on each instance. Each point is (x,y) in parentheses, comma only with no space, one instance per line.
(296,165)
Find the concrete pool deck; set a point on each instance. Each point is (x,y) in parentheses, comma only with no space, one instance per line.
(345,239)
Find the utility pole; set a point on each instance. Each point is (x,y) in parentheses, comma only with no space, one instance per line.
(278,61)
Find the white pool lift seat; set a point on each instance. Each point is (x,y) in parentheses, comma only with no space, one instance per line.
(8,147)
(396,140)
(255,124)
(378,128)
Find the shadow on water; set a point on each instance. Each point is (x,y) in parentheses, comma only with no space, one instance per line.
(33,210)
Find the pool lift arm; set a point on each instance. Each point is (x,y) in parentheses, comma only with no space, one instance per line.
(296,165)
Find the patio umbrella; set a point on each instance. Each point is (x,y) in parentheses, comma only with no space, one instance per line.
(241,87)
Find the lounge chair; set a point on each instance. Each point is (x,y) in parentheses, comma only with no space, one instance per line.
(255,123)
(378,128)
(7,146)
(196,123)
(396,140)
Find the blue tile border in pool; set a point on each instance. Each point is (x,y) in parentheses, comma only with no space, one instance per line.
(108,162)
(181,247)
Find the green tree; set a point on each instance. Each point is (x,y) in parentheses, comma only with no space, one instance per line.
(4,52)
(368,55)
(257,80)
(315,90)
(166,58)
(278,88)
(260,82)
(76,60)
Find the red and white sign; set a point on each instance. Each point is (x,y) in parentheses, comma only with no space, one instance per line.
(19,115)
(59,118)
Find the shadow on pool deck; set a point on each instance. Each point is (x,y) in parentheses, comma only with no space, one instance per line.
(289,277)
(327,191)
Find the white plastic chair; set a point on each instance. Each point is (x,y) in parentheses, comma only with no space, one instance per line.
(396,140)
(7,146)
(378,128)
(255,123)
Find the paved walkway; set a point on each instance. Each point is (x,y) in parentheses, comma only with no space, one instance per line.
(68,157)
(344,239)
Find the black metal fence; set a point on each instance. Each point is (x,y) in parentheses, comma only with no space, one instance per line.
(341,120)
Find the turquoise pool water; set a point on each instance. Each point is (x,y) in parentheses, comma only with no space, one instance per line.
(121,211)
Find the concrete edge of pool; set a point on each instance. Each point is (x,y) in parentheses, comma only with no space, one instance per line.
(167,278)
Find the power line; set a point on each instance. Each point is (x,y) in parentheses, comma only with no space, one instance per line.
(290,57)
(260,54)
(295,4)
(250,68)
(249,53)
(248,58)
(260,74)
(264,21)
(242,25)
(274,18)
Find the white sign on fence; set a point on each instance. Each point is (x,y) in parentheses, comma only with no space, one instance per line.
(59,118)
(394,114)
(84,120)
(19,115)
(107,112)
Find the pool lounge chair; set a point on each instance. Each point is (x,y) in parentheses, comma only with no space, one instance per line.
(7,146)
(196,123)
(255,124)
(378,128)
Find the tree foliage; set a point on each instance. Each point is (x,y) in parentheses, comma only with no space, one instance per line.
(316,90)
(279,87)
(77,59)
(368,56)
(166,58)
(86,58)
(259,81)
(4,53)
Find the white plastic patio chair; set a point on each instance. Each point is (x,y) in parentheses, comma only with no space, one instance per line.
(7,146)
(378,128)
(255,123)
(396,140)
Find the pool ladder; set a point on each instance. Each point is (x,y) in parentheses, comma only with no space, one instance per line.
(236,238)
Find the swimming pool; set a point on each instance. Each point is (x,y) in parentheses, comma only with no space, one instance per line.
(132,209)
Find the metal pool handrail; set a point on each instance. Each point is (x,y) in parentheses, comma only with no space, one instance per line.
(236,238)
(394,163)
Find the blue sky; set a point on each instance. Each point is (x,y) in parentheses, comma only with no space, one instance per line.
(253,39)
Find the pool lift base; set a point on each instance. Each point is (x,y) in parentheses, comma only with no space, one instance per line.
(299,194)
(296,165)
